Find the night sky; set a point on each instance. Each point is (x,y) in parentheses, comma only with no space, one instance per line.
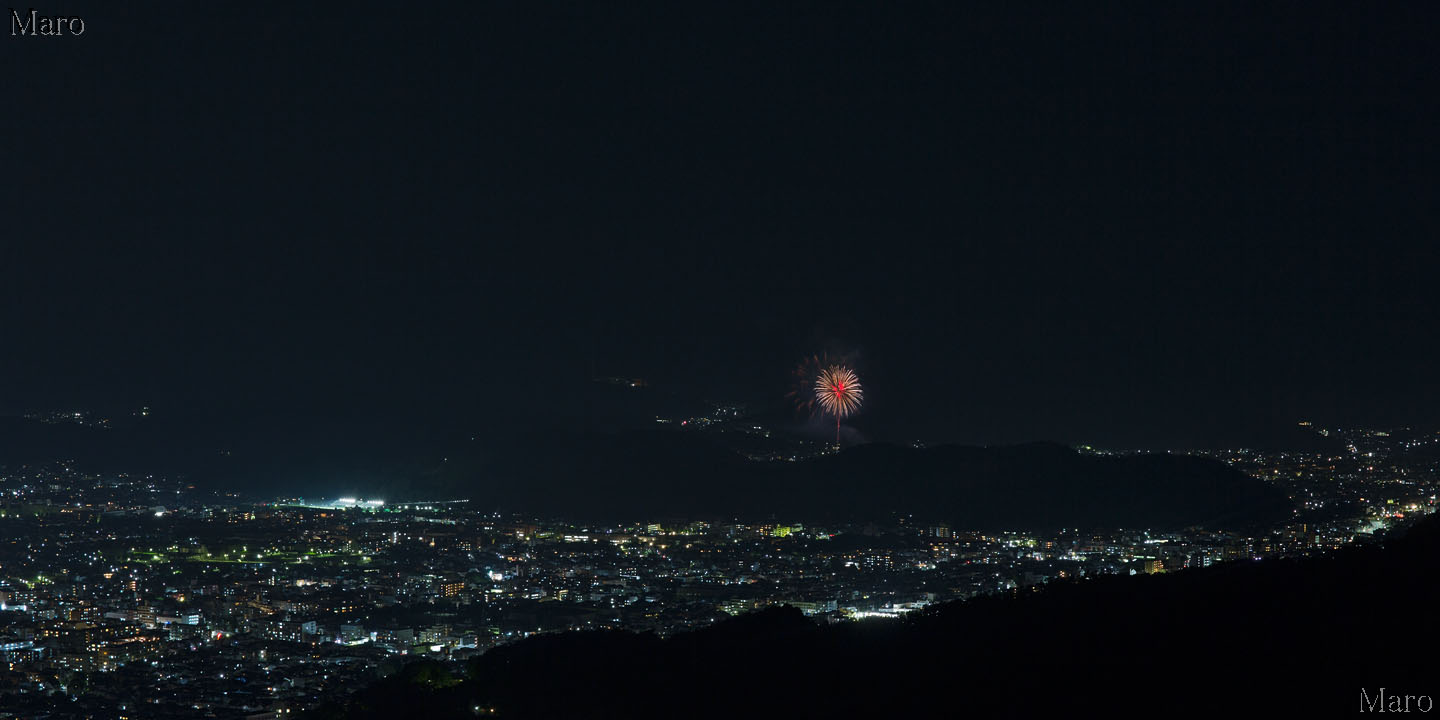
(1145,225)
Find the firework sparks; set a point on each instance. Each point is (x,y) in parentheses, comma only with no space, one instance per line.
(838,391)
(828,386)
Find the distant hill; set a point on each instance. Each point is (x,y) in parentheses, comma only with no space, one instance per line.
(130,446)
(1286,437)
(660,474)
(652,474)
(283,454)
(1289,638)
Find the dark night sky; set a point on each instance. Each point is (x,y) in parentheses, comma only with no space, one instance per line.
(1146,225)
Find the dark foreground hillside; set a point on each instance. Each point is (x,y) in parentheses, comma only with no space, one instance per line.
(1298,637)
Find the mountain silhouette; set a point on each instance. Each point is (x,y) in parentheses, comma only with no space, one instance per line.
(1034,486)
(658,474)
